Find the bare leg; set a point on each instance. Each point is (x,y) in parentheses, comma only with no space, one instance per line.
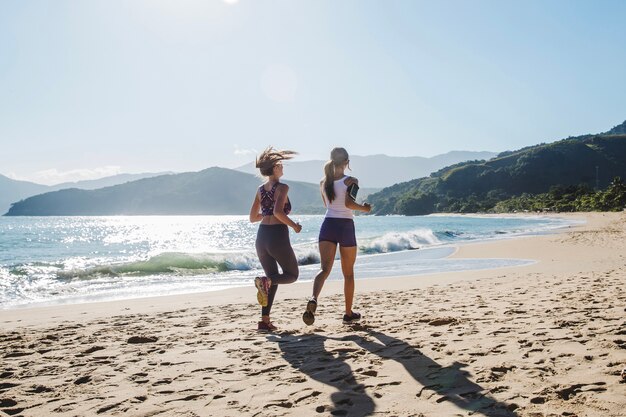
(327,257)
(348,258)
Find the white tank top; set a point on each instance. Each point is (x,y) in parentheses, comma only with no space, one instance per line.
(337,208)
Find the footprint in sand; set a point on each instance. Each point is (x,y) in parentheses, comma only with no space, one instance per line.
(7,402)
(82,380)
(6,385)
(568,392)
(142,339)
(38,389)
(139,378)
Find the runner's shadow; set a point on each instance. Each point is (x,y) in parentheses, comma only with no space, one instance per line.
(308,354)
(450,383)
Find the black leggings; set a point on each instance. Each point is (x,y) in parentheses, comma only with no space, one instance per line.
(274,248)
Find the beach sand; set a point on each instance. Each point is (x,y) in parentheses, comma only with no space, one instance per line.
(547,339)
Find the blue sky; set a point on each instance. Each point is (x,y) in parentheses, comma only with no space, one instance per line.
(92,88)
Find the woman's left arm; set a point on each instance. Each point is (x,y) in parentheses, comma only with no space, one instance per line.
(279,208)
(350,203)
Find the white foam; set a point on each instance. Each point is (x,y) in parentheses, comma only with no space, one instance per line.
(395,241)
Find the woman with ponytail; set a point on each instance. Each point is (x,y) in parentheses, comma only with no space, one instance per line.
(337,229)
(271,206)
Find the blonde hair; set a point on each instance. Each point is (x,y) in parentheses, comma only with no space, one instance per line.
(338,157)
(270,157)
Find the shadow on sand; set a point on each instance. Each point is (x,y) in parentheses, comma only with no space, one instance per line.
(308,354)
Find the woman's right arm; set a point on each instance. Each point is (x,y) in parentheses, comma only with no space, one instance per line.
(353,205)
(255,214)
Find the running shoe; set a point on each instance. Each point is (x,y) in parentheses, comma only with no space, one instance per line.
(261,284)
(309,315)
(266,327)
(352,318)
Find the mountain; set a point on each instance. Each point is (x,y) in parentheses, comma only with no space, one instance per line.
(480,185)
(377,171)
(106,181)
(211,191)
(15,190)
(617,130)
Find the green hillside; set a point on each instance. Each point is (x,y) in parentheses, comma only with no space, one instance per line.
(581,162)
(211,191)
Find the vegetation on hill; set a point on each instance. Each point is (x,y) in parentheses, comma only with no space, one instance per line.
(535,177)
(575,174)
(572,198)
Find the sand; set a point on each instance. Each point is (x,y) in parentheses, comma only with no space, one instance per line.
(547,339)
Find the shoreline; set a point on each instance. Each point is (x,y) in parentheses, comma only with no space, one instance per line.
(29,313)
(228,292)
(545,339)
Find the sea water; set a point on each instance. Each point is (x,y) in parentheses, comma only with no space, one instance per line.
(53,260)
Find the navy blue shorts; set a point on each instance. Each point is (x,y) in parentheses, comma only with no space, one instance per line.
(339,231)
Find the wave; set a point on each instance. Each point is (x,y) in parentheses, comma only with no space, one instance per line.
(169,263)
(395,241)
(449,234)
(179,263)
(307,256)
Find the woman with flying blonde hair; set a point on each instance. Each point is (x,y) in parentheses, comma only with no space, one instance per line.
(337,229)
(271,206)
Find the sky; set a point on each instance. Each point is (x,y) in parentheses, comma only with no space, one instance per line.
(100,87)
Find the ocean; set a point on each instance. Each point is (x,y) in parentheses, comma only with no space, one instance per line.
(66,260)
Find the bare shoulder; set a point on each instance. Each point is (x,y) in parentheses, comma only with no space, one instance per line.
(282,187)
(351,180)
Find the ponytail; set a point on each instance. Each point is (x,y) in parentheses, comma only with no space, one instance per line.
(329,177)
(338,156)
